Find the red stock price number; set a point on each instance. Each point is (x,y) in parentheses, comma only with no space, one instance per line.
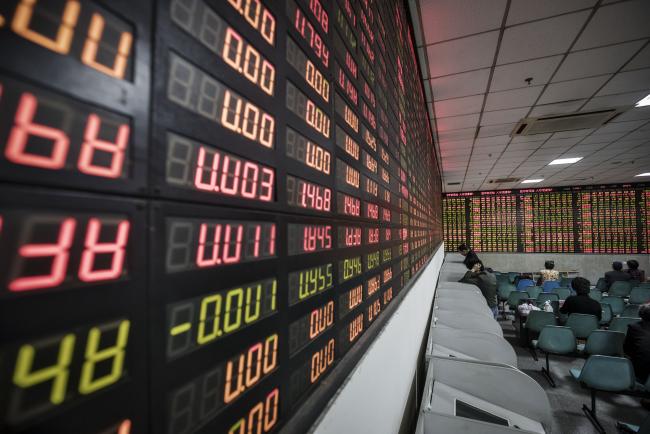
(309,238)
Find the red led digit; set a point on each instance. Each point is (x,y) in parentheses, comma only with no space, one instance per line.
(200,168)
(24,127)
(59,252)
(235,257)
(201,261)
(92,144)
(93,247)
(234,175)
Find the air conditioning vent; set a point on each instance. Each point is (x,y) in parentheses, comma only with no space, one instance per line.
(555,123)
(453,183)
(503,180)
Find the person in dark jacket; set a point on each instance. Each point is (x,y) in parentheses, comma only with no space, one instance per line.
(634,272)
(469,255)
(617,274)
(581,303)
(486,282)
(637,344)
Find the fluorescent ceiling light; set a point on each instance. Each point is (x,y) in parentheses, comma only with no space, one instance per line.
(643,174)
(565,161)
(644,102)
(531,181)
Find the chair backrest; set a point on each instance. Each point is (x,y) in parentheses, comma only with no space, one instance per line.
(546,296)
(504,289)
(620,289)
(533,291)
(605,343)
(556,340)
(515,297)
(619,324)
(639,295)
(582,324)
(631,311)
(611,374)
(512,275)
(595,294)
(566,282)
(562,292)
(549,285)
(601,284)
(524,283)
(605,314)
(537,319)
(616,303)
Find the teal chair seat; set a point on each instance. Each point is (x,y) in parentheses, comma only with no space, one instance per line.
(536,321)
(619,324)
(631,311)
(620,289)
(533,291)
(603,373)
(603,343)
(562,292)
(617,304)
(582,324)
(639,295)
(566,282)
(514,298)
(601,284)
(555,340)
(605,314)
(594,294)
(546,296)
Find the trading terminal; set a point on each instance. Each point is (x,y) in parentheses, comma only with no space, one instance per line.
(324,216)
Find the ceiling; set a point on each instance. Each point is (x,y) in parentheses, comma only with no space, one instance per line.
(475,57)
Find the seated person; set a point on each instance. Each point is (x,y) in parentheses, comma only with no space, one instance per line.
(548,273)
(486,282)
(468,254)
(581,303)
(634,272)
(617,274)
(637,344)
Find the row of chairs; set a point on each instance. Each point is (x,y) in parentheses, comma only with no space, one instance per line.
(620,288)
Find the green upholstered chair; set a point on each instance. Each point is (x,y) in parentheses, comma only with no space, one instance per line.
(620,289)
(619,324)
(601,284)
(514,298)
(582,324)
(566,282)
(633,429)
(605,314)
(562,292)
(546,296)
(555,340)
(594,294)
(533,291)
(631,311)
(603,373)
(639,295)
(616,303)
(536,321)
(603,343)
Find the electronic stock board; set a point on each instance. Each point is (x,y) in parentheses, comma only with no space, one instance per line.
(205,205)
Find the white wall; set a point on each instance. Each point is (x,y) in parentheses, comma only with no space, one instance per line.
(374,396)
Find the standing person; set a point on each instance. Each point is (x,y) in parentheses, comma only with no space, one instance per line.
(616,274)
(469,255)
(486,282)
(581,302)
(634,272)
(548,273)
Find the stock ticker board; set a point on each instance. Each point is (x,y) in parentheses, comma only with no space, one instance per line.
(590,219)
(205,207)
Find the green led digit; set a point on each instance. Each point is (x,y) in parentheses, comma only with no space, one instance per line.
(248,317)
(88,384)
(228,324)
(201,337)
(24,377)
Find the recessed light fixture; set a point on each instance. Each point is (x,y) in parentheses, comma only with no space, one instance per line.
(644,102)
(565,161)
(643,174)
(531,181)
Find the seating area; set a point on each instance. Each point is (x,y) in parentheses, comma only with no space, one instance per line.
(573,365)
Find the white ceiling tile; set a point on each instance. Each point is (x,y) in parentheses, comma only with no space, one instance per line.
(448,19)
(614,127)
(459,85)
(455,144)
(573,133)
(525,145)
(460,55)
(463,134)
(531,138)
(633,114)
(597,61)
(572,90)
(528,10)
(491,141)
(540,38)
(503,116)
(616,23)
(608,101)
(563,142)
(627,82)
(459,106)
(602,138)
(495,130)
(641,60)
(514,75)
(457,122)
(515,98)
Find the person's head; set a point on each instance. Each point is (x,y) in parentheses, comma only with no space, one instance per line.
(549,265)
(475,265)
(633,264)
(617,266)
(644,312)
(580,285)
(463,249)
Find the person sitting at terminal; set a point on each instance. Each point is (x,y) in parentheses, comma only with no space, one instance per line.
(616,274)
(548,273)
(637,344)
(581,302)
(468,254)
(486,282)
(634,272)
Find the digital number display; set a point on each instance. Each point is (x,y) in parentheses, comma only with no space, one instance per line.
(307,70)
(309,327)
(343,110)
(304,194)
(348,205)
(349,268)
(194,244)
(259,17)
(305,108)
(306,283)
(304,150)
(306,30)
(349,236)
(347,176)
(312,370)
(200,321)
(347,143)
(346,84)
(308,238)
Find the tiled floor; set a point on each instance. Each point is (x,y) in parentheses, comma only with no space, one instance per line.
(567,398)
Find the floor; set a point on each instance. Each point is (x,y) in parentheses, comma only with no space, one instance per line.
(567,398)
